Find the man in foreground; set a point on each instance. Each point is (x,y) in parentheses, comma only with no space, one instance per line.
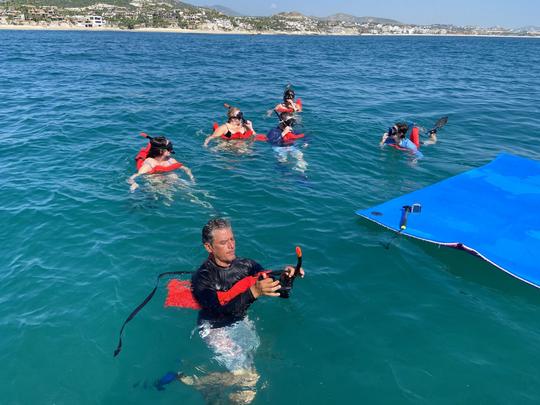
(225,286)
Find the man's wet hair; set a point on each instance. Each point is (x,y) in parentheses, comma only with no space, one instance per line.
(211,226)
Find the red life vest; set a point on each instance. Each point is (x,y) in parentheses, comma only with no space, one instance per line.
(240,135)
(141,157)
(291,137)
(179,292)
(281,109)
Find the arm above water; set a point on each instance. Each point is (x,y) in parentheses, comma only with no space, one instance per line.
(221,130)
(383,139)
(187,170)
(145,168)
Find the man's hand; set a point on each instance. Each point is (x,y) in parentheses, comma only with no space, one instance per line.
(265,286)
(289,271)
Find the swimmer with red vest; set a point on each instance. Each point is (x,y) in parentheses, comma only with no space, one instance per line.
(237,128)
(225,286)
(283,139)
(406,136)
(155,158)
(289,104)
(223,289)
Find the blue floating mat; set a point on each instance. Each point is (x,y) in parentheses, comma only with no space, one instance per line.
(492,211)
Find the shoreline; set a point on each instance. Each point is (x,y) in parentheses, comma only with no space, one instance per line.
(29,27)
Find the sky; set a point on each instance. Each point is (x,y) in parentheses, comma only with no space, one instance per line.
(484,13)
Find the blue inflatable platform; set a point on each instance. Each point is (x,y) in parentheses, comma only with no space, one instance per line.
(492,211)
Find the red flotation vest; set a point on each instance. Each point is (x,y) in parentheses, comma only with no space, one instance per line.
(141,157)
(415,137)
(281,109)
(179,292)
(291,137)
(240,135)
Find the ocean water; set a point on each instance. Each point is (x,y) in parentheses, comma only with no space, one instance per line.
(412,324)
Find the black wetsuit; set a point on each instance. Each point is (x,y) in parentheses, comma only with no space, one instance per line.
(211,278)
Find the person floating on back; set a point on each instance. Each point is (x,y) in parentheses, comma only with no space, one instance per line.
(156,158)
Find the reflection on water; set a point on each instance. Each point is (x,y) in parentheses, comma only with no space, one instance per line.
(166,186)
(238,147)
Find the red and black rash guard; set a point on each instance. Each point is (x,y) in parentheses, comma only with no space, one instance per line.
(211,278)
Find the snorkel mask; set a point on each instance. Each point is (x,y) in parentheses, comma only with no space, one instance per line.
(159,145)
(288,95)
(239,116)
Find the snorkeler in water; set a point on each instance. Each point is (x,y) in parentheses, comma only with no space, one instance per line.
(223,289)
(223,323)
(237,128)
(289,103)
(156,158)
(396,136)
(283,139)
(406,136)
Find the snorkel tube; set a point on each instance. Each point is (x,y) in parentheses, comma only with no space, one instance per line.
(286,281)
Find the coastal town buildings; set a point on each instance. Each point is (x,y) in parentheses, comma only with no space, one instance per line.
(140,14)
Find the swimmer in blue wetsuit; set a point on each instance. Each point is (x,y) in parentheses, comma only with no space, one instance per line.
(283,138)
(397,136)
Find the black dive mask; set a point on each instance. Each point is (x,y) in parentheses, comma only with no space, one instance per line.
(288,95)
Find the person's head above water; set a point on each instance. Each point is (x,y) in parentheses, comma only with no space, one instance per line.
(160,146)
(234,113)
(399,129)
(288,94)
(218,240)
(286,119)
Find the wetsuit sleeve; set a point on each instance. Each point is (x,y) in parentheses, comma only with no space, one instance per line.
(205,293)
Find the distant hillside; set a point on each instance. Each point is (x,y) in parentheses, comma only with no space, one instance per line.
(291,14)
(225,10)
(361,20)
(529,28)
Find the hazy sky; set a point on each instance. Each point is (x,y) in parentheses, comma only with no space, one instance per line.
(506,13)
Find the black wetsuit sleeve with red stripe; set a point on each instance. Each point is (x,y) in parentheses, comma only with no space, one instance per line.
(210,278)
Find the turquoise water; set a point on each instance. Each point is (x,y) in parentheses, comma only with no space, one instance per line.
(412,324)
